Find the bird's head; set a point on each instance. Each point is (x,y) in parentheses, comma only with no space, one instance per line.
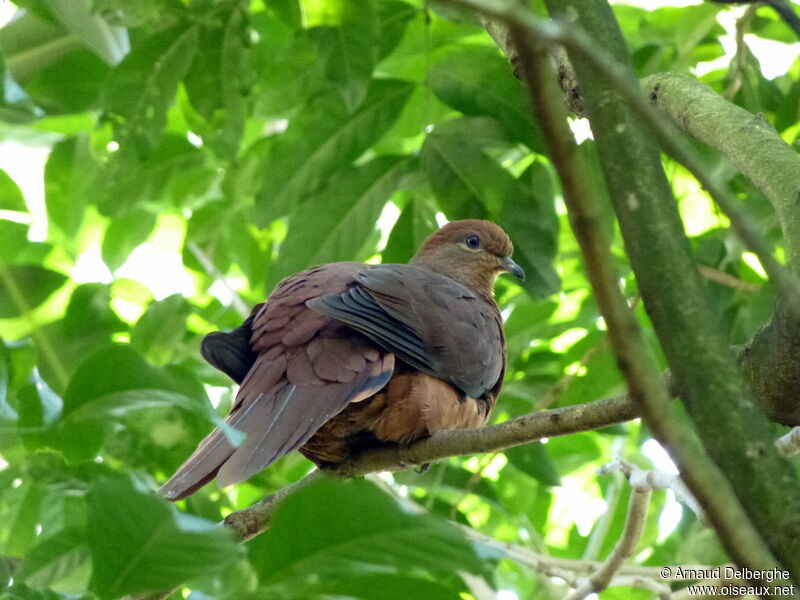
(471,251)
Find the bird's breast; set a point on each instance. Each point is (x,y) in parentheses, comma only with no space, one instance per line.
(412,406)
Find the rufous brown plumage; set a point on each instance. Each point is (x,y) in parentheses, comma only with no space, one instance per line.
(345,356)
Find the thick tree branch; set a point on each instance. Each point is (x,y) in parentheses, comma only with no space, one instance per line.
(498,30)
(633,356)
(749,141)
(674,296)
(770,363)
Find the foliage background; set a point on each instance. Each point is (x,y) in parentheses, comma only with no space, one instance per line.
(210,148)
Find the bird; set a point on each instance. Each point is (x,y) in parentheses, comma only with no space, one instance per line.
(347,356)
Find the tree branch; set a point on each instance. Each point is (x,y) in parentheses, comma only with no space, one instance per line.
(749,141)
(633,356)
(689,332)
(521,430)
(239,305)
(626,545)
(789,444)
(657,480)
(498,30)
(783,8)
(250,522)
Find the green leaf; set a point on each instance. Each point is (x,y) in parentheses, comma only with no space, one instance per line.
(317,144)
(15,105)
(114,377)
(60,562)
(159,330)
(288,69)
(51,64)
(336,224)
(89,313)
(68,175)
(348,46)
(288,11)
(769,26)
(140,543)
(446,477)
(353,527)
(478,81)
(455,176)
(109,43)
(24,287)
(573,452)
(40,406)
(602,379)
(174,170)
(23,506)
(415,224)
(142,88)
(22,359)
(532,459)
(531,221)
(470,185)
(394,19)
(220,80)
(7,412)
(125,233)
(112,383)
(10,195)
(13,239)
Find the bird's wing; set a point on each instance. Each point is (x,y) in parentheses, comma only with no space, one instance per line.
(308,368)
(430,321)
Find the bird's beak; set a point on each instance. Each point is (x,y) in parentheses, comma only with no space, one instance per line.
(513,268)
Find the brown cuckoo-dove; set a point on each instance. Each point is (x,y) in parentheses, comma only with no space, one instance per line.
(345,356)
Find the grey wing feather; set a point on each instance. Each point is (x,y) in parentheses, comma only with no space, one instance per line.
(360,310)
(275,425)
(274,429)
(429,321)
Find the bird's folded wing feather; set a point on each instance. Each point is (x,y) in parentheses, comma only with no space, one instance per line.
(308,368)
(430,321)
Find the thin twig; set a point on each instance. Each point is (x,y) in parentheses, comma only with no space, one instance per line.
(626,545)
(238,304)
(789,444)
(782,7)
(742,52)
(726,279)
(657,480)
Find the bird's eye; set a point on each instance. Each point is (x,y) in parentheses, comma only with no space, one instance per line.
(473,241)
